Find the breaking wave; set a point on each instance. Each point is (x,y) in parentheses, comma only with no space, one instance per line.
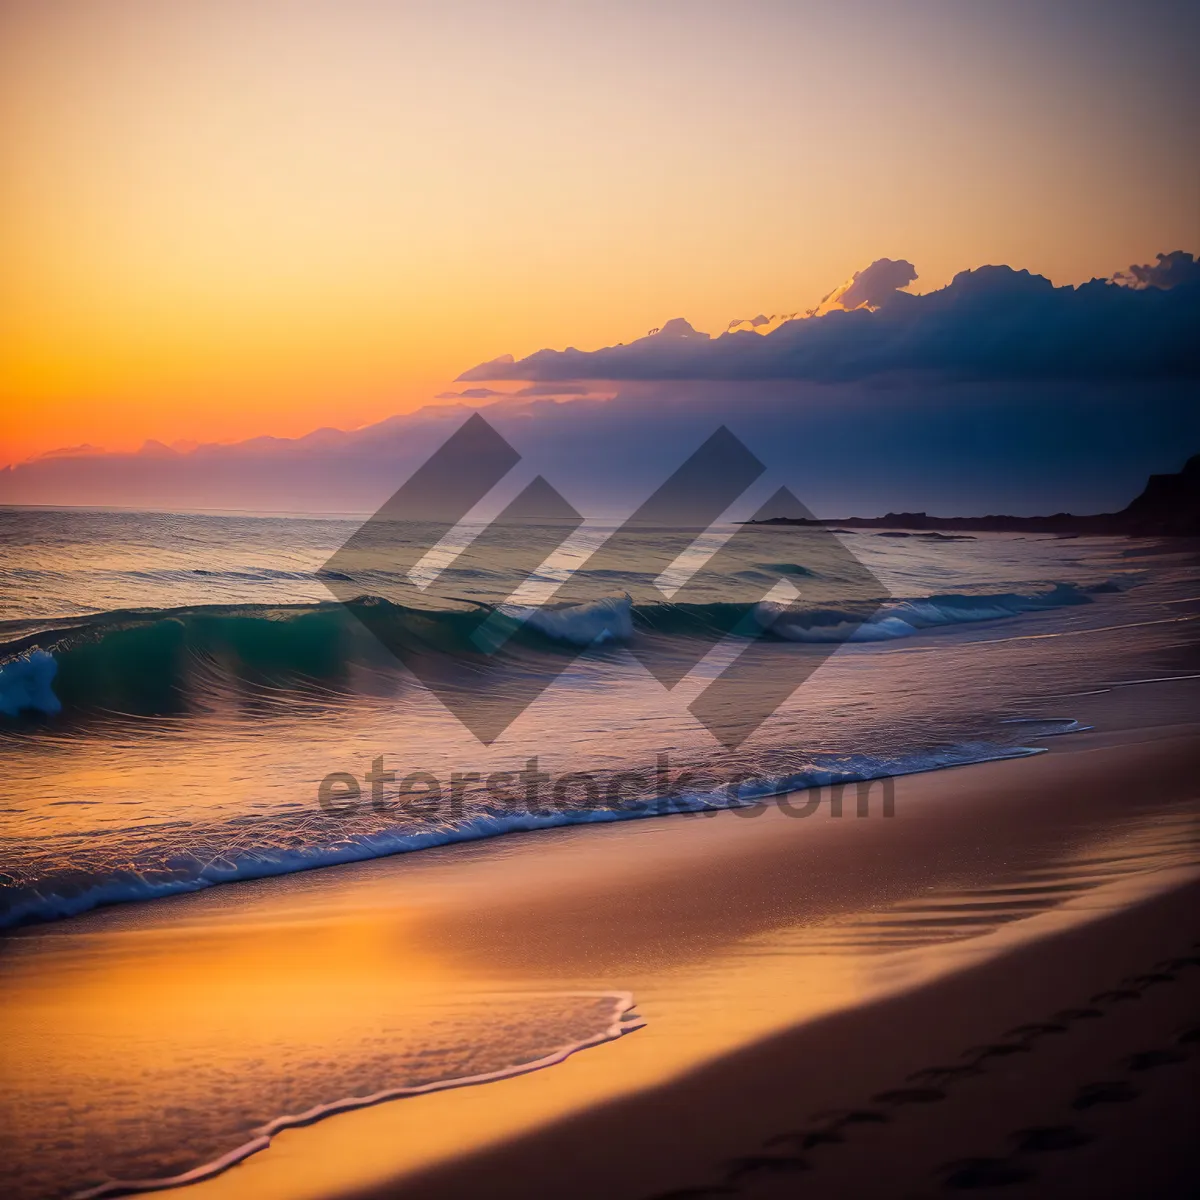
(143,661)
(906,617)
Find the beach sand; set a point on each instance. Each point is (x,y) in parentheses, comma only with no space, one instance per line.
(1080,1041)
(782,968)
(1064,1067)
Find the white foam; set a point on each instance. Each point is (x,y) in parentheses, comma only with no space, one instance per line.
(190,874)
(25,684)
(580,624)
(903,618)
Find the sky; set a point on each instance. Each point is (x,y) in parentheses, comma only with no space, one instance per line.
(225,218)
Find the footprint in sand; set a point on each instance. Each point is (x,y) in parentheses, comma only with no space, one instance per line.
(1178,964)
(1148,980)
(973,1173)
(911,1095)
(1116,994)
(806,1139)
(837,1117)
(1147,1060)
(996,1050)
(944,1074)
(1112,1091)
(1043,1139)
(1078,1014)
(765,1164)
(970,1173)
(1036,1029)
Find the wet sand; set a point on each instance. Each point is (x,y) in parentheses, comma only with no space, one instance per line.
(782,966)
(1057,1055)
(1068,1066)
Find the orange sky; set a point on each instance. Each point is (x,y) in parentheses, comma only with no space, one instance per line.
(221,218)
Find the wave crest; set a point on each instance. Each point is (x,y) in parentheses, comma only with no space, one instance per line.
(147,661)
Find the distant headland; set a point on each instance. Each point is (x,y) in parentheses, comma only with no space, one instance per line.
(1169,506)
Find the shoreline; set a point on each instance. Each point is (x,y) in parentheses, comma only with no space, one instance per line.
(734,937)
(511,1137)
(748,1122)
(30,913)
(624,1021)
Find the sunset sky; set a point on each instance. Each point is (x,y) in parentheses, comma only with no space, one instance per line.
(221,218)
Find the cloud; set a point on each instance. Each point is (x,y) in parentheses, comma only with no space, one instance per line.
(762,324)
(1171,270)
(992,323)
(471,394)
(551,390)
(84,450)
(872,287)
(678,330)
(554,389)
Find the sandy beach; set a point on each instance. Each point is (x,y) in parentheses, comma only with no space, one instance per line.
(1067,1066)
(599,601)
(778,968)
(1026,1072)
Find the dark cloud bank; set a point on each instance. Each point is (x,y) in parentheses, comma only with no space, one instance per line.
(992,323)
(998,393)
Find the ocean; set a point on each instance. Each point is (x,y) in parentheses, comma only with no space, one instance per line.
(185,704)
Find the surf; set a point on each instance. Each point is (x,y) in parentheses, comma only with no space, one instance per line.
(148,661)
